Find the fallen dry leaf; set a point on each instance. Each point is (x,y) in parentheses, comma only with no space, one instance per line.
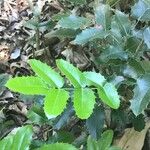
(133,140)
(4,53)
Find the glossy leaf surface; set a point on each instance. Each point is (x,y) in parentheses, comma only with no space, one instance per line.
(46,73)
(27,85)
(75,76)
(84,100)
(55,102)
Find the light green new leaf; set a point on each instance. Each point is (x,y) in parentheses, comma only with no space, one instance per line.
(27,85)
(73,22)
(122,22)
(114,148)
(141,10)
(92,144)
(94,78)
(109,95)
(46,73)
(105,141)
(103,16)
(55,102)
(84,100)
(75,76)
(141,95)
(89,34)
(58,146)
(19,141)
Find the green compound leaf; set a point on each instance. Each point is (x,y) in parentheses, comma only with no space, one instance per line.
(19,141)
(75,76)
(58,146)
(84,100)
(103,16)
(55,102)
(46,73)
(141,96)
(73,22)
(27,85)
(89,34)
(122,22)
(109,95)
(94,78)
(113,52)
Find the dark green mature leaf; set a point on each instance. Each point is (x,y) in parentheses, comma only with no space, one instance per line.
(57,146)
(145,65)
(3,79)
(95,122)
(32,24)
(55,102)
(20,141)
(59,15)
(119,118)
(64,137)
(146,35)
(141,10)
(89,34)
(132,44)
(46,25)
(139,122)
(115,33)
(112,2)
(36,115)
(94,78)
(113,52)
(46,73)
(75,76)
(108,94)
(133,69)
(73,22)
(117,80)
(141,95)
(27,85)
(103,16)
(62,33)
(64,118)
(84,100)
(78,1)
(122,22)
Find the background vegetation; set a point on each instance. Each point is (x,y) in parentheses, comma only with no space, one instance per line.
(90,88)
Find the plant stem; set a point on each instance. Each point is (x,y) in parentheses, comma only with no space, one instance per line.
(38,36)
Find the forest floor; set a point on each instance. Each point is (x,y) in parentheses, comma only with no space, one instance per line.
(18,43)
